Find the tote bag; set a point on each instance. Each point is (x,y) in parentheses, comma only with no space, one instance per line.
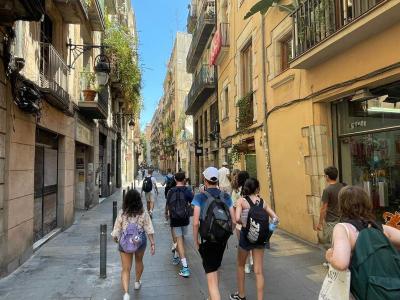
(336,285)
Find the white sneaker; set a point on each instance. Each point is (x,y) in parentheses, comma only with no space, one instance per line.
(138,284)
(247,269)
(126,296)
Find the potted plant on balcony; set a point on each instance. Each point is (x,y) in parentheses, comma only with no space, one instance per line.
(89,91)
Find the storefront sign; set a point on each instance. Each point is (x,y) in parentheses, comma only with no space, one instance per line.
(84,135)
(358,124)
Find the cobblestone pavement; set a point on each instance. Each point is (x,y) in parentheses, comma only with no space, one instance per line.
(67,267)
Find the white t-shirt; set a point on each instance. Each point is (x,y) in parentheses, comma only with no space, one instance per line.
(223,177)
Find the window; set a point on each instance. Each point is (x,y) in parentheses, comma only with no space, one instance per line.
(213,116)
(225,99)
(247,70)
(286,52)
(205,126)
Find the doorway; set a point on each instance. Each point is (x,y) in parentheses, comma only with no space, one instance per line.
(45,184)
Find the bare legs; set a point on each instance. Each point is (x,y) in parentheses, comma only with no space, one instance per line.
(126,260)
(139,265)
(213,289)
(241,261)
(258,257)
(180,247)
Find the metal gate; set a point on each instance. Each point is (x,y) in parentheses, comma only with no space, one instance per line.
(251,165)
(45,184)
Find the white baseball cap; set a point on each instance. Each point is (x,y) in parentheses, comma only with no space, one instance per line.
(211,174)
(225,163)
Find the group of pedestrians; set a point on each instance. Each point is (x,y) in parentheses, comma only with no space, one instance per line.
(230,202)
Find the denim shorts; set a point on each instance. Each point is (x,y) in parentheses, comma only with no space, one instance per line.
(141,249)
(180,231)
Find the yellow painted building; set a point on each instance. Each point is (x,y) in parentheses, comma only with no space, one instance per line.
(237,50)
(333,94)
(322,81)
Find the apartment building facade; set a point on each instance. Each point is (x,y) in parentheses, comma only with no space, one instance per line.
(58,146)
(202,101)
(332,98)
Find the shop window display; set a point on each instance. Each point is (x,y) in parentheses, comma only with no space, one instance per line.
(369,150)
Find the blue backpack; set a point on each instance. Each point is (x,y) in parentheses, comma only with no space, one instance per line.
(132,238)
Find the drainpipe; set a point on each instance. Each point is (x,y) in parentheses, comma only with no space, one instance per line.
(265,120)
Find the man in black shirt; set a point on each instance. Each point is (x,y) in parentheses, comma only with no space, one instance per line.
(329,214)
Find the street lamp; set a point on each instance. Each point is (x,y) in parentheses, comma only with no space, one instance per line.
(102,69)
(131,124)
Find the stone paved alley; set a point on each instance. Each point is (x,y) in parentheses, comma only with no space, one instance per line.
(67,267)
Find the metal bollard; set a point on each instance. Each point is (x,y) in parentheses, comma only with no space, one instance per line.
(103,250)
(123,195)
(129,188)
(132,184)
(115,207)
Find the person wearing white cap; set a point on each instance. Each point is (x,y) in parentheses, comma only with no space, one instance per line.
(210,206)
(224,179)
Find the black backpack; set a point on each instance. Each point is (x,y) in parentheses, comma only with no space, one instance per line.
(257,227)
(147,185)
(169,184)
(215,220)
(178,207)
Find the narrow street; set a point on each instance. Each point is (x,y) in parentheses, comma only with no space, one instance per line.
(67,267)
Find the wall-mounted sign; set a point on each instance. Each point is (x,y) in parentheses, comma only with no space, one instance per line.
(84,134)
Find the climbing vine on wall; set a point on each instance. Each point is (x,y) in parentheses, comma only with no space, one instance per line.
(122,48)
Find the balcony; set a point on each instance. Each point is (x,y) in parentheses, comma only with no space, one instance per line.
(245,106)
(202,87)
(25,10)
(192,18)
(96,15)
(97,107)
(220,44)
(201,34)
(52,77)
(72,11)
(323,29)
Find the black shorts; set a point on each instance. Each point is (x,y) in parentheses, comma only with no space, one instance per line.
(211,254)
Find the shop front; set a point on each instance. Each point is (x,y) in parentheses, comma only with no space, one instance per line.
(368,146)
(84,166)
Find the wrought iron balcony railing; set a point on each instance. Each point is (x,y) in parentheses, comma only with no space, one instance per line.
(202,87)
(53,76)
(316,20)
(201,34)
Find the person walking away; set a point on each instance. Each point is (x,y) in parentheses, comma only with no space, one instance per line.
(254,214)
(368,250)
(224,179)
(148,187)
(143,172)
(169,182)
(130,229)
(177,209)
(329,213)
(237,186)
(213,219)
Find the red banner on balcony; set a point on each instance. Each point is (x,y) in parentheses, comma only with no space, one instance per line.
(216,46)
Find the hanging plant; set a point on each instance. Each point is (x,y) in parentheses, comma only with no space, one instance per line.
(245,111)
(122,51)
(234,155)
